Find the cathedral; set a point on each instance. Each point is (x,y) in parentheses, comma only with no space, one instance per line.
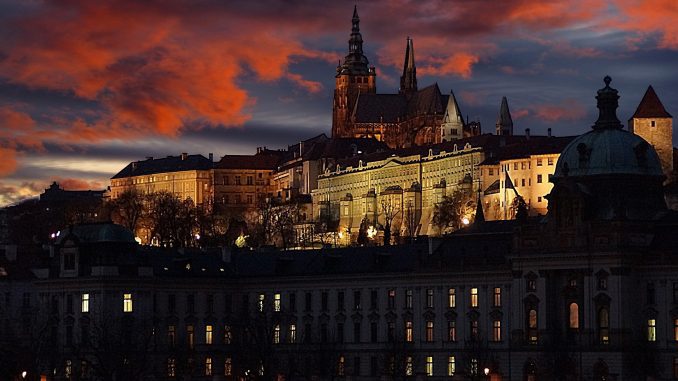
(412,117)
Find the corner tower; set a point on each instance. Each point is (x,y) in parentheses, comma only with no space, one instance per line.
(354,76)
(653,123)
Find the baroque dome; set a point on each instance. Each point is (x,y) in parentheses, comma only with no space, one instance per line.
(608,149)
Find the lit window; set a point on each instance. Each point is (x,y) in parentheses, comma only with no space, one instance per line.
(532,325)
(292,335)
(496,330)
(409,366)
(574,316)
(675,329)
(276,302)
(408,332)
(171,367)
(228,335)
(85,303)
(497,297)
(190,336)
(341,366)
(429,298)
(429,366)
(429,331)
(228,367)
(391,298)
(260,303)
(171,335)
(474,367)
(451,366)
(452,330)
(452,298)
(276,334)
(208,366)
(604,325)
(127,303)
(651,330)
(68,369)
(208,334)
(474,297)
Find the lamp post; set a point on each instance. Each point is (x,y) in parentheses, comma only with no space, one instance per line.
(486,371)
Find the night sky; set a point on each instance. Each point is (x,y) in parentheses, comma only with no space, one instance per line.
(88,86)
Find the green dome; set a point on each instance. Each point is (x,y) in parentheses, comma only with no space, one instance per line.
(608,151)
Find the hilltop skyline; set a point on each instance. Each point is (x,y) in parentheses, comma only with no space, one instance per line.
(86,88)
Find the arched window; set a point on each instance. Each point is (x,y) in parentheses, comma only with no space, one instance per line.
(574,316)
(604,325)
(532,327)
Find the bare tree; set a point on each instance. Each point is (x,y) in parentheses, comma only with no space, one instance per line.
(449,213)
(410,220)
(128,209)
(389,211)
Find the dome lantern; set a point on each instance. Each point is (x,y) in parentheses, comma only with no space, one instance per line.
(608,101)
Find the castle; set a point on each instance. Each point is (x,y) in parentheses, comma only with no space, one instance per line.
(411,117)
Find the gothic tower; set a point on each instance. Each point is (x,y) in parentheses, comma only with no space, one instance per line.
(504,121)
(653,123)
(408,81)
(354,76)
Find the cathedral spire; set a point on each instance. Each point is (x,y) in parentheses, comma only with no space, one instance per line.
(504,121)
(408,81)
(355,61)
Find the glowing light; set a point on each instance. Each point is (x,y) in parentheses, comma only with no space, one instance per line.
(465,221)
(341,235)
(486,371)
(371,232)
(23,374)
(138,240)
(241,241)
(53,235)
(197,236)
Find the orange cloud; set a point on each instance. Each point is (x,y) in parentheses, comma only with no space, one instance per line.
(7,161)
(78,184)
(649,17)
(568,109)
(460,64)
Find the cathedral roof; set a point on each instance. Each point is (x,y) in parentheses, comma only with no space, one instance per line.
(261,161)
(650,106)
(394,108)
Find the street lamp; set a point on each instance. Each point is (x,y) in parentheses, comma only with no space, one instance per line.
(486,371)
(23,375)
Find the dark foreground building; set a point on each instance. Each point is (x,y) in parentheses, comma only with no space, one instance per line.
(588,292)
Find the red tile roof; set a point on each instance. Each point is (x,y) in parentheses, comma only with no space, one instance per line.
(650,106)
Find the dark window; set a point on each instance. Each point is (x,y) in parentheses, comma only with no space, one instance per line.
(228,303)
(69,335)
(293,302)
(452,330)
(323,333)
(373,299)
(190,304)
(374,365)
(675,292)
(650,293)
(309,299)
(69,303)
(653,123)
(210,304)
(373,332)
(26,300)
(391,299)
(308,333)
(171,303)
(408,299)
(356,366)
(474,329)
(539,179)
(323,301)
(340,332)
(356,300)
(340,301)
(69,261)
(390,332)
(356,332)
(531,285)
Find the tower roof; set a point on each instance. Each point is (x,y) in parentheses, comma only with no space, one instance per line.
(650,106)
(408,81)
(355,61)
(504,118)
(453,107)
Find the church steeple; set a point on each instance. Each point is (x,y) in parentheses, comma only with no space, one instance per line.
(408,81)
(355,61)
(504,121)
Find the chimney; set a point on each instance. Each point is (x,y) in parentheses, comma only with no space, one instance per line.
(134,165)
(184,155)
(258,149)
(527,133)
(211,156)
(549,132)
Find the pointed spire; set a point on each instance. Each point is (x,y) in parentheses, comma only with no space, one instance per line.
(408,81)
(504,121)
(453,108)
(608,101)
(650,106)
(480,215)
(355,61)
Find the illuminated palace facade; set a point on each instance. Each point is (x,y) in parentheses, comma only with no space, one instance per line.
(587,292)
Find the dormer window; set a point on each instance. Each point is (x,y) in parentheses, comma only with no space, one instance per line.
(69,261)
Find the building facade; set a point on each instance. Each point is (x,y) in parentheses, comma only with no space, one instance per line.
(185,176)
